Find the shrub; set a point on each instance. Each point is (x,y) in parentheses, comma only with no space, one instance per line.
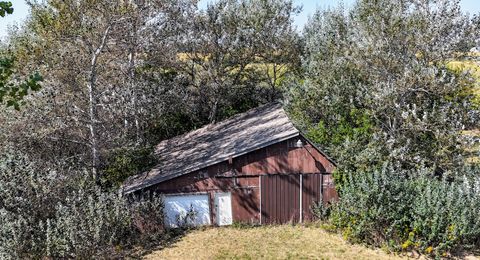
(54,215)
(187,220)
(411,210)
(321,211)
(148,217)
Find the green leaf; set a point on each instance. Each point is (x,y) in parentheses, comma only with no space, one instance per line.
(5,8)
(10,91)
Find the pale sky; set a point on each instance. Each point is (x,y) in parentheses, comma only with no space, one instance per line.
(309,6)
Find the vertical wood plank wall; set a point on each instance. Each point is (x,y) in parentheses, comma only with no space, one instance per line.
(312,193)
(280,196)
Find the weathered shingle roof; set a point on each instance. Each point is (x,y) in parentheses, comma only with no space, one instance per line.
(214,143)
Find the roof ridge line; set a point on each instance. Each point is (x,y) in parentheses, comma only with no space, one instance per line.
(236,116)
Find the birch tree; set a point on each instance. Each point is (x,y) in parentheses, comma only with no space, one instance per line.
(97,96)
(122,75)
(78,36)
(92,97)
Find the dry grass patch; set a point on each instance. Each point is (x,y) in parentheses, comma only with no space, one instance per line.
(266,242)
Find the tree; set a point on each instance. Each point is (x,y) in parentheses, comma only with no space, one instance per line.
(237,53)
(148,29)
(11,91)
(122,75)
(84,32)
(377,86)
(84,111)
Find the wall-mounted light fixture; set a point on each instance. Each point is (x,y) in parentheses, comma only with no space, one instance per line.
(299,143)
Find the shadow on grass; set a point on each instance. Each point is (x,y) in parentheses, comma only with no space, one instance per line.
(465,254)
(172,236)
(169,239)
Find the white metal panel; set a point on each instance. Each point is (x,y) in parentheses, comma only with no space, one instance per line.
(177,208)
(223,204)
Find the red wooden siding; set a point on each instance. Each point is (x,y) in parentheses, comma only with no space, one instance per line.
(283,157)
(329,191)
(312,193)
(240,176)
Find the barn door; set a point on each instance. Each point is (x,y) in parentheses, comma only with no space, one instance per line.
(290,198)
(179,208)
(280,199)
(223,206)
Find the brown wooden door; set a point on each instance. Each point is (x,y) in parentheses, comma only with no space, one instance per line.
(282,201)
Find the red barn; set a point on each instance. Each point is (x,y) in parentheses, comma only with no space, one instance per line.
(255,167)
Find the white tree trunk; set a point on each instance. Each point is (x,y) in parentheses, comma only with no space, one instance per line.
(133,87)
(92,98)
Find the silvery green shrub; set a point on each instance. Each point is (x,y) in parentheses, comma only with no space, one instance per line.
(411,209)
(377,88)
(50,214)
(376,78)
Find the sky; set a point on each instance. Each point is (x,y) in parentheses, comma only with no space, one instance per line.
(309,6)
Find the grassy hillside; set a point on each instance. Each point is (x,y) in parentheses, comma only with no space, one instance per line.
(267,242)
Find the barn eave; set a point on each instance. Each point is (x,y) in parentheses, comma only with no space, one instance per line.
(166,177)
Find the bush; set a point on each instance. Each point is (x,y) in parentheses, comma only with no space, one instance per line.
(411,210)
(54,215)
(321,211)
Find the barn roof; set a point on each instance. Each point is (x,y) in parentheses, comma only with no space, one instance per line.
(214,143)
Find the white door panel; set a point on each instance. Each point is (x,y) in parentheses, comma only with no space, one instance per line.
(223,204)
(177,207)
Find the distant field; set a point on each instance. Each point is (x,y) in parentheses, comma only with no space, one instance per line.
(474,68)
(266,242)
(475,149)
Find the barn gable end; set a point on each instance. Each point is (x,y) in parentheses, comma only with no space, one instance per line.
(234,158)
